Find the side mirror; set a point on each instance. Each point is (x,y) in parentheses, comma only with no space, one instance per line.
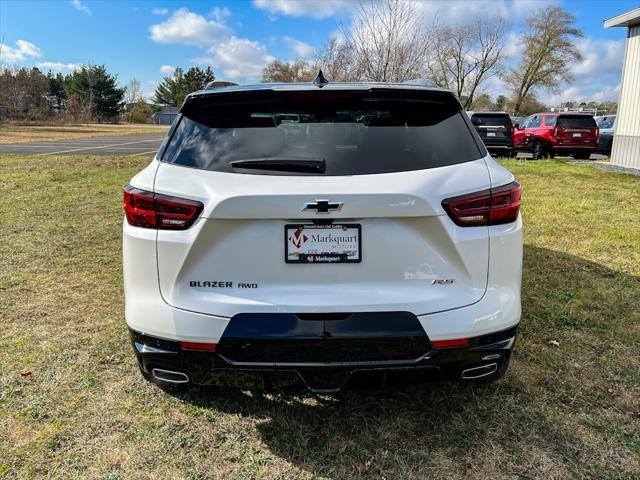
(516,126)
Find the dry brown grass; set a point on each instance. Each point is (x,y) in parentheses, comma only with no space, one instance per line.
(19,133)
(571,411)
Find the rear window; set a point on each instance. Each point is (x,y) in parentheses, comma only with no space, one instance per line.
(491,119)
(584,121)
(606,122)
(352,133)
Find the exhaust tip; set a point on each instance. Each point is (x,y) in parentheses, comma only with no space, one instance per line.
(169,376)
(479,372)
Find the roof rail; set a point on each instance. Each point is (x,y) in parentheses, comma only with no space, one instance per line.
(421,82)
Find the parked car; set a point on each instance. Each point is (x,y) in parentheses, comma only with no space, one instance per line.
(495,130)
(380,241)
(606,124)
(551,134)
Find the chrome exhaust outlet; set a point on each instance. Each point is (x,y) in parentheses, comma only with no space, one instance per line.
(169,376)
(479,372)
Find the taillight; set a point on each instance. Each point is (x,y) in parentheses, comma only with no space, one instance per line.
(488,207)
(154,210)
(597,132)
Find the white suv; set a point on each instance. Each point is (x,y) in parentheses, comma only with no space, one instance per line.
(322,237)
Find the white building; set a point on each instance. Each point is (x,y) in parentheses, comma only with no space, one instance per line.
(626,141)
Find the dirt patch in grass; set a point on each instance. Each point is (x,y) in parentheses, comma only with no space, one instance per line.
(17,133)
(72,403)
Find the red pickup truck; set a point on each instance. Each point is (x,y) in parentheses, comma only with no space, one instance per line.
(546,135)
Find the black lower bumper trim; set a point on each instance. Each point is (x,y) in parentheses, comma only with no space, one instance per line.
(284,352)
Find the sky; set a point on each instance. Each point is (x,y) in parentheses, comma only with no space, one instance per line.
(146,40)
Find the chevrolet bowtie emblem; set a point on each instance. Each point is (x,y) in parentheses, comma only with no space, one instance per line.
(323,206)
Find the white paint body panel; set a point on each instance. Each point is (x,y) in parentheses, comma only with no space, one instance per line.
(407,242)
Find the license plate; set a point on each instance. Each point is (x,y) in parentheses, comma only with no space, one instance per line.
(334,243)
(491,134)
(577,135)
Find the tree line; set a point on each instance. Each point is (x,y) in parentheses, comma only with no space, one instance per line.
(89,93)
(388,41)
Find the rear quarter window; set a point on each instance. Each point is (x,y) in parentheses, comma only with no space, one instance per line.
(354,133)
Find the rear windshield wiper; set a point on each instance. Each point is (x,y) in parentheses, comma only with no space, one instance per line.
(282,164)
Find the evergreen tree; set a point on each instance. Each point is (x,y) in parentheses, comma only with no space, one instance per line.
(172,90)
(97,90)
(58,95)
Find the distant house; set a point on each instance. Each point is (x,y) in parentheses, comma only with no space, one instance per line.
(166,116)
(626,138)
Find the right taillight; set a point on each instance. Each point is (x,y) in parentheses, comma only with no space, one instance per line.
(488,207)
(154,210)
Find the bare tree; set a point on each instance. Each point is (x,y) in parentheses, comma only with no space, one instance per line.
(336,62)
(279,71)
(132,92)
(387,41)
(548,54)
(464,57)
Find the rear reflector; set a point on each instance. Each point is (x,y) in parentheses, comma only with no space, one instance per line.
(210,347)
(154,210)
(488,207)
(457,342)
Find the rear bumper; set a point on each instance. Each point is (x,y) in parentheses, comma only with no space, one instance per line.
(574,148)
(498,144)
(398,354)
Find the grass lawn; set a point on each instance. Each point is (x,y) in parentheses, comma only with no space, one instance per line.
(83,410)
(16,133)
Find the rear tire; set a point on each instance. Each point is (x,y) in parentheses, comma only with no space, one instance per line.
(538,150)
(582,155)
(513,154)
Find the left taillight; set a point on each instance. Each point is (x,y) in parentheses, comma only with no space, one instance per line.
(488,207)
(153,210)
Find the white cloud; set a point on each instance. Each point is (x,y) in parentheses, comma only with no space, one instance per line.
(81,7)
(308,8)
(607,94)
(21,51)
(239,58)
(219,14)
(159,11)
(189,28)
(599,57)
(58,66)
(298,47)
(167,69)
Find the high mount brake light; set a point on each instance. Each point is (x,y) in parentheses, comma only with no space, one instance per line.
(153,210)
(488,207)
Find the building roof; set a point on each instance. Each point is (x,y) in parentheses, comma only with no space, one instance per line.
(626,19)
(169,111)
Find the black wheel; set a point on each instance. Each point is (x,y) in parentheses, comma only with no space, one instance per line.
(609,147)
(582,155)
(537,150)
(513,154)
